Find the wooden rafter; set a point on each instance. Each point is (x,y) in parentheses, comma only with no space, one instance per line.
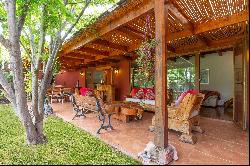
(191,37)
(130,15)
(131,32)
(190,29)
(111,45)
(79,54)
(188,26)
(170,48)
(177,9)
(72,57)
(222,22)
(213,45)
(93,51)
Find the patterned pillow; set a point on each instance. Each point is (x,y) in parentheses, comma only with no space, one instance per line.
(133,92)
(86,91)
(139,94)
(149,94)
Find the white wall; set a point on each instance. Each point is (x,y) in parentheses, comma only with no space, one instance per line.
(221,68)
(221,73)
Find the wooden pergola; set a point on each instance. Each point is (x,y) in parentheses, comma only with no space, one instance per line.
(182,27)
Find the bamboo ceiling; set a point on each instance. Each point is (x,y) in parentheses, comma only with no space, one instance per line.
(193,25)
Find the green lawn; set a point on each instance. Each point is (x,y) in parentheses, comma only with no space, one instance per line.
(67,144)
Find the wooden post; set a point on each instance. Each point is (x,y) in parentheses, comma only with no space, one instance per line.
(197,71)
(245,85)
(161,113)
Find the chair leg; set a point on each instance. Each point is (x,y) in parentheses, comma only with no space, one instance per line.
(198,129)
(188,138)
(109,122)
(75,115)
(79,115)
(102,118)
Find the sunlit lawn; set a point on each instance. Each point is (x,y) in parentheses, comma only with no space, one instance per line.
(67,144)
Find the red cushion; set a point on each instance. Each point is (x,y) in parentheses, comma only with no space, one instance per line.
(139,94)
(86,91)
(134,91)
(149,93)
(181,97)
(194,92)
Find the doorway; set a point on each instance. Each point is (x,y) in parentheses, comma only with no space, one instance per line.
(217,84)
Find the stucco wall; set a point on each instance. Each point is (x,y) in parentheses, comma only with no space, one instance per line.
(69,79)
(122,80)
(221,73)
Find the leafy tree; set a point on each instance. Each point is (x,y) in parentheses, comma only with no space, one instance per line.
(37,29)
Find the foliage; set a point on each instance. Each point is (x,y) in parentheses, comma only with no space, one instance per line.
(57,16)
(181,79)
(56,68)
(68,145)
(28,83)
(145,64)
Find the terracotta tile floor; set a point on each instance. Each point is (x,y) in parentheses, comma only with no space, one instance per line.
(222,142)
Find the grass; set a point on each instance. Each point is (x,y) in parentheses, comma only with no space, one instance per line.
(67,145)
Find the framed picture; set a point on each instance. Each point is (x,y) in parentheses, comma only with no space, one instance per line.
(204,76)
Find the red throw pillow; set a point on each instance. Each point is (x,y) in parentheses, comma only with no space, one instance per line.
(86,91)
(133,92)
(194,92)
(139,94)
(149,94)
(181,97)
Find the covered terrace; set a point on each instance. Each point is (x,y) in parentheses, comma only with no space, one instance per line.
(182,28)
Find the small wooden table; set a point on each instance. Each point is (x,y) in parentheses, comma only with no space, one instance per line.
(126,111)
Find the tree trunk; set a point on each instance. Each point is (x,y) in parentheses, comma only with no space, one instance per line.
(34,134)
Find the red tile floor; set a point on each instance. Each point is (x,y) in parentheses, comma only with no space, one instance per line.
(222,142)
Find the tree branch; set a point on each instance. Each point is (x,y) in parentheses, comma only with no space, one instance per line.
(22,17)
(5,42)
(7,88)
(42,32)
(27,52)
(32,46)
(78,18)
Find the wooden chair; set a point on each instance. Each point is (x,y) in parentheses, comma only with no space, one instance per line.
(56,93)
(185,118)
(85,104)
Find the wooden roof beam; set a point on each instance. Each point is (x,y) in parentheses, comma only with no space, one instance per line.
(111,45)
(214,45)
(188,26)
(132,32)
(221,22)
(190,29)
(72,57)
(80,55)
(170,48)
(130,15)
(93,51)
(176,9)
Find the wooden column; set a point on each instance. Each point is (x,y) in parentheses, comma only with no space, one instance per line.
(247,91)
(161,113)
(197,71)
(245,81)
